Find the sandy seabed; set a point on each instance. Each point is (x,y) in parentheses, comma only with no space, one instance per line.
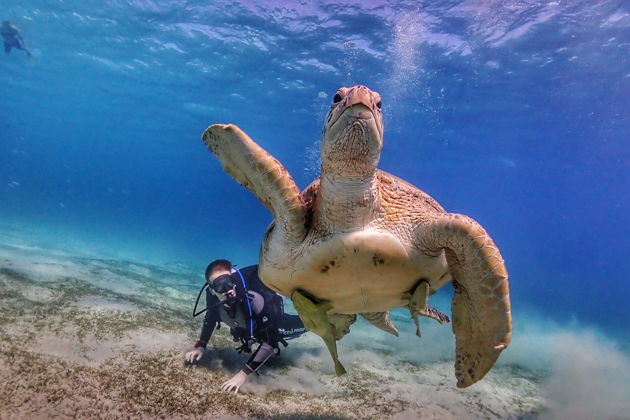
(95,338)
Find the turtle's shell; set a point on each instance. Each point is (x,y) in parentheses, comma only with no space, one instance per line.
(368,269)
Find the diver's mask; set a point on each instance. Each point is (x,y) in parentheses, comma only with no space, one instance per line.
(222,284)
(219,287)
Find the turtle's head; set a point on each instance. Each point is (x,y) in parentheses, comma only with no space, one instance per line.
(352,137)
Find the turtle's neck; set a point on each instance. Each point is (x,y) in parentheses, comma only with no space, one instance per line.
(347,203)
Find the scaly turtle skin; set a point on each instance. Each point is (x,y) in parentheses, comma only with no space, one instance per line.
(362,241)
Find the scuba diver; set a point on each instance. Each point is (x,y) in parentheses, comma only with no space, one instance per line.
(12,38)
(253,312)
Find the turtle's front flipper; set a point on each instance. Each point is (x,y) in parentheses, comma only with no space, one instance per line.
(252,167)
(315,319)
(482,320)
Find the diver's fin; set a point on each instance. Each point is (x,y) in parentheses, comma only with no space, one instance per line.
(315,318)
(381,320)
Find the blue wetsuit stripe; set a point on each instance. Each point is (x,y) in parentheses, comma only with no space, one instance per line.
(249,306)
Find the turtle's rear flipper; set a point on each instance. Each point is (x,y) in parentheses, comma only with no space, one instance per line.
(431,312)
(381,320)
(255,169)
(482,320)
(418,303)
(315,318)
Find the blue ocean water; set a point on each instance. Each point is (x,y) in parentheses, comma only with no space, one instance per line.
(516,113)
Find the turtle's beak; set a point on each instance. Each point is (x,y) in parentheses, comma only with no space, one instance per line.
(359,102)
(353,132)
(358,111)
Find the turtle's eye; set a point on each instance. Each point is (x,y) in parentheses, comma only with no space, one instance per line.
(337,98)
(378,104)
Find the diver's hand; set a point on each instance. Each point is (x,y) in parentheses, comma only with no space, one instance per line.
(194,355)
(235,383)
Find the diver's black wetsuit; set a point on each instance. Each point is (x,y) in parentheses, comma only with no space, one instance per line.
(268,325)
(12,38)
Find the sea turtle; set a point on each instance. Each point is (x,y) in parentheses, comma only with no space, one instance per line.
(359,240)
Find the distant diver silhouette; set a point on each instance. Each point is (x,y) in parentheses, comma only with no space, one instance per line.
(12,38)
